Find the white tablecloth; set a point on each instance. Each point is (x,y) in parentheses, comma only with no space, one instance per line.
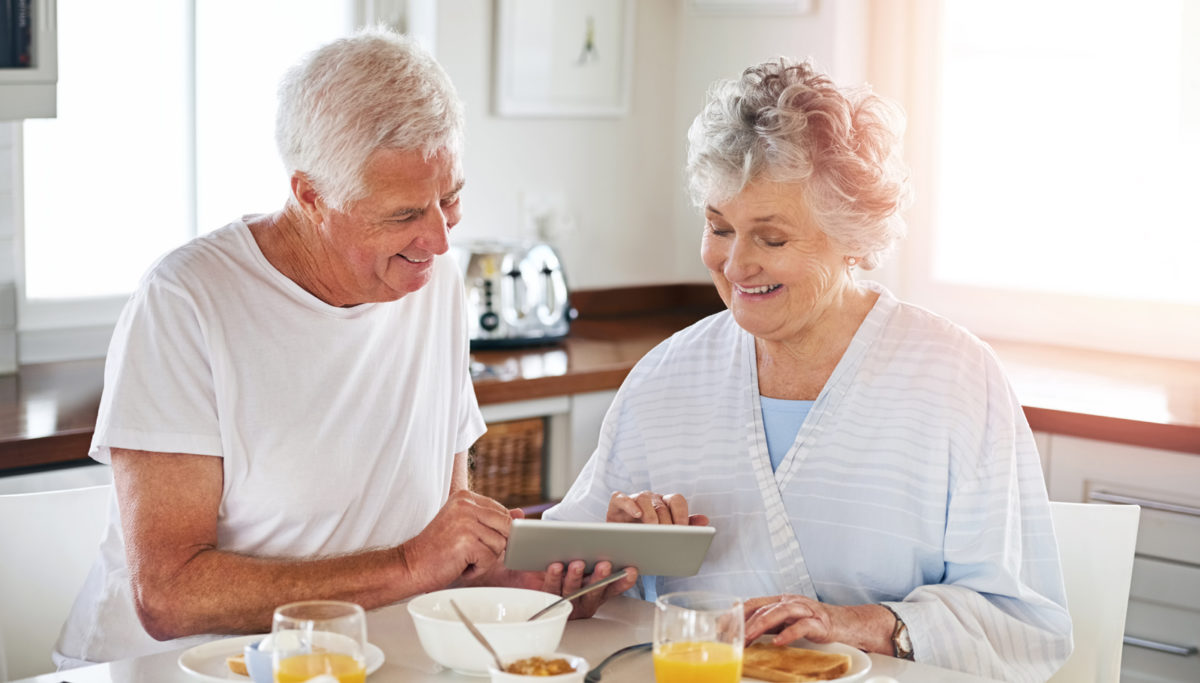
(620,622)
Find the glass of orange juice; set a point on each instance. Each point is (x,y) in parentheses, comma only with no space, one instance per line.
(698,638)
(325,638)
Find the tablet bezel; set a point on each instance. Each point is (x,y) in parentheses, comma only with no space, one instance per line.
(655,549)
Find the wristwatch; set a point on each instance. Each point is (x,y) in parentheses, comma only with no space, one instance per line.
(901,642)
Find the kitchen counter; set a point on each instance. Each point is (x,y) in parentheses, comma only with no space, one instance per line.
(47,411)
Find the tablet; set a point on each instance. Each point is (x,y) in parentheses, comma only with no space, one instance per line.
(655,549)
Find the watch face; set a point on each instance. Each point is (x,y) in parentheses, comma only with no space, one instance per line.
(901,642)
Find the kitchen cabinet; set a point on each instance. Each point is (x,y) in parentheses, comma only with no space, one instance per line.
(572,428)
(31,92)
(1164,599)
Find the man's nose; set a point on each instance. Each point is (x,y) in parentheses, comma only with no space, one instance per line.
(435,237)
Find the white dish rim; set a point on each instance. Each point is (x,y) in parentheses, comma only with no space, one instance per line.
(860,663)
(190,658)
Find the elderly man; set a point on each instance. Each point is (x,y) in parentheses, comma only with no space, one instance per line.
(287,404)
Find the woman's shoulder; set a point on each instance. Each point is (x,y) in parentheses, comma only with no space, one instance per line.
(711,341)
(922,343)
(915,328)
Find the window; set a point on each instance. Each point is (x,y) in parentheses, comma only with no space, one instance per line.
(1053,149)
(165,130)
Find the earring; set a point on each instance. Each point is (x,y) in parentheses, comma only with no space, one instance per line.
(851,261)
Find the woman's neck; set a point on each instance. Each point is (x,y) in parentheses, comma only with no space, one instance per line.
(798,367)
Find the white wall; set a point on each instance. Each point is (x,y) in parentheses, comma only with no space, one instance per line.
(622,178)
(721,46)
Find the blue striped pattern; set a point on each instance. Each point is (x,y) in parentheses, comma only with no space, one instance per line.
(914,481)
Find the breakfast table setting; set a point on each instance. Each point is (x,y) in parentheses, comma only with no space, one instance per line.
(396,654)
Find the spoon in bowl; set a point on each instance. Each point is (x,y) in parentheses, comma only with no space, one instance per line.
(586,589)
(478,636)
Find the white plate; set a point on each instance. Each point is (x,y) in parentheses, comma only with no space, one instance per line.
(207,661)
(860,663)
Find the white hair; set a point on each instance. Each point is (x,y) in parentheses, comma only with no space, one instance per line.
(786,122)
(373,90)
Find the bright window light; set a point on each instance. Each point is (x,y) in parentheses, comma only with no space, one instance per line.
(143,155)
(1069,137)
(238,170)
(106,181)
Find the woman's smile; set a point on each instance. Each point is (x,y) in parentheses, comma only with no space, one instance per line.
(756,291)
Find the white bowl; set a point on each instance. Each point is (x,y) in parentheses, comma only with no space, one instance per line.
(578,663)
(499,613)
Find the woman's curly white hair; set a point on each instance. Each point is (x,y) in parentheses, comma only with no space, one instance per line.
(784,121)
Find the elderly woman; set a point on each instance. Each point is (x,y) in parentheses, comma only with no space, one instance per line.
(866,464)
(286,404)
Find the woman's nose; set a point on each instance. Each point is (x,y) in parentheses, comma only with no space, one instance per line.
(739,261)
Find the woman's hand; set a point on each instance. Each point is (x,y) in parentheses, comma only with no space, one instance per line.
(866,627)
(648,507)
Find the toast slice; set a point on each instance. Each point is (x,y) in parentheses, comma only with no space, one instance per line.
(767,662)
(237,664)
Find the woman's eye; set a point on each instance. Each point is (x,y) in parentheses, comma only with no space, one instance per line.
(450,201)
(771,243)
(719,232)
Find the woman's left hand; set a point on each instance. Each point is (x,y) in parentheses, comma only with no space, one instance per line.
(866,627)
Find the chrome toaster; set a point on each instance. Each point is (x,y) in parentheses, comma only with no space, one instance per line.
(516,293)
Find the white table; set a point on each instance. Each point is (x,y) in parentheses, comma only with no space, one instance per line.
(621,621)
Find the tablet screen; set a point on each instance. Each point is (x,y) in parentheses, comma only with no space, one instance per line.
(655,549)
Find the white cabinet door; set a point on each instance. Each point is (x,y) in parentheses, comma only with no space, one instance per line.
(1164,602)
(30,92)
(587,414)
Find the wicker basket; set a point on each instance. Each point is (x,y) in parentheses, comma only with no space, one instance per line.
(506,462)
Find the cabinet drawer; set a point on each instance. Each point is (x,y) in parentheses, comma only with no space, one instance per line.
(1087,471)
(1139,665)
(1167,583)
(1164,606)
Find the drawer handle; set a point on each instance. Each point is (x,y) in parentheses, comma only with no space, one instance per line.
(1157,646)
(1106,497)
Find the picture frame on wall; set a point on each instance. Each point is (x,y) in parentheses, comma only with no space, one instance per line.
(760,7)
(568,58)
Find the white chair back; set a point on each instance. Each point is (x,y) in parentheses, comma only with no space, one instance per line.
(48,542)
(1096,544)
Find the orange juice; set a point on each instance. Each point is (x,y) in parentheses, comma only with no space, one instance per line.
(303,667)
(697,662)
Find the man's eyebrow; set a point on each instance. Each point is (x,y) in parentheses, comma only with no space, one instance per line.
(404,213)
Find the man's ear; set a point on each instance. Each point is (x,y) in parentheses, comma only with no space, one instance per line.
(308,198)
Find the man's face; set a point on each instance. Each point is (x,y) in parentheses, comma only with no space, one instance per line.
(382,246)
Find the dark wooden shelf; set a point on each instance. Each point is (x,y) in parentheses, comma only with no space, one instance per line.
(48,411)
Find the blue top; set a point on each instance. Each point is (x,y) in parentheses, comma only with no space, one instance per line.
(781,420)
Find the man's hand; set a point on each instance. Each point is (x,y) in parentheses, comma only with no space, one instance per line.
(562,581)
(648,507)
(463,542)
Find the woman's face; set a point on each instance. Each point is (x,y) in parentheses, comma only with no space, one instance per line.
(775,270)
(383,245)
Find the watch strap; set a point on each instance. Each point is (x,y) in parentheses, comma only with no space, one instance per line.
(901,641)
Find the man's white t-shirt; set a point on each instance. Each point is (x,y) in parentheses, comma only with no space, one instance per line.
(337,426)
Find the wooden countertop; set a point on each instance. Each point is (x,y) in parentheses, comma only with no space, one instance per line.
(47,411)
